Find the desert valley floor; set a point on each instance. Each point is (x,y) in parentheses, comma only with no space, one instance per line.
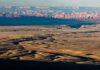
(51,44)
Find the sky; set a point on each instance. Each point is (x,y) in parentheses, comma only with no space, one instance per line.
(89,3)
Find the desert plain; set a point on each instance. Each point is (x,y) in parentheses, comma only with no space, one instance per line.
(51,43)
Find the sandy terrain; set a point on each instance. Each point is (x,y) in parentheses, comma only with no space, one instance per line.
(51,44)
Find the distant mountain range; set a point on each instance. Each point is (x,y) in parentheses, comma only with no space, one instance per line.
(71,16)
(54,12)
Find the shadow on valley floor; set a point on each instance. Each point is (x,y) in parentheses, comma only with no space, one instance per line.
(34,65)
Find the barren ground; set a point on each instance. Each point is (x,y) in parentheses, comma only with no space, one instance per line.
(50,44)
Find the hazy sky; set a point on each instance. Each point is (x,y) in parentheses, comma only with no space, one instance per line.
(92,3)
